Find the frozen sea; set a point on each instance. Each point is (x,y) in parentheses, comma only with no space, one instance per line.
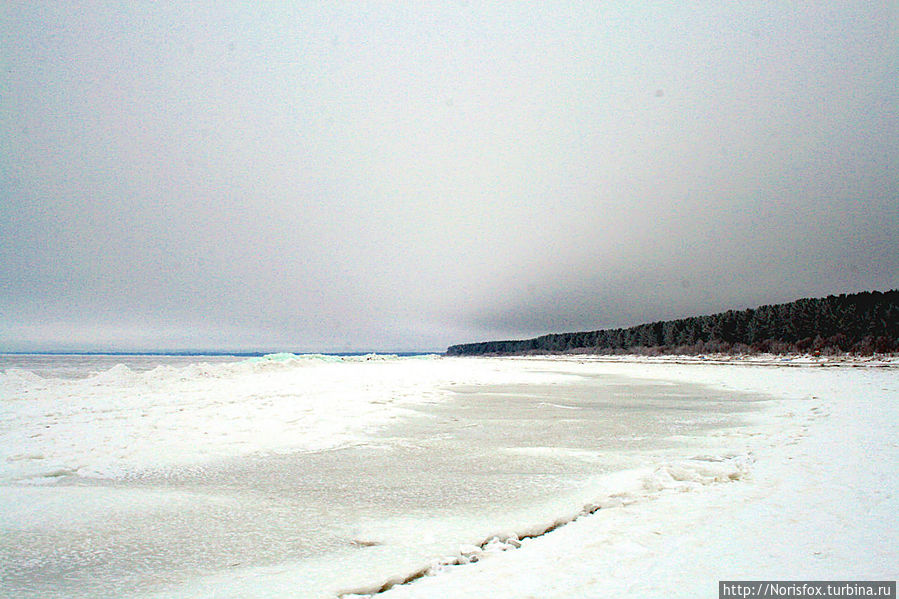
(317,476)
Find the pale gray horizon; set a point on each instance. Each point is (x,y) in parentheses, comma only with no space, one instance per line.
(406,176)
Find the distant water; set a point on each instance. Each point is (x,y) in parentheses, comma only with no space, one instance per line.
(443,475)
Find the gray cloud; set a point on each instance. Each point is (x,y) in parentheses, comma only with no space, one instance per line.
(404,177)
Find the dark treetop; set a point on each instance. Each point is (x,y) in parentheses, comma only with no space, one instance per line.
(863,323)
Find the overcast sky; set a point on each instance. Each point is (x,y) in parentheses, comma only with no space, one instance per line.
(403,176)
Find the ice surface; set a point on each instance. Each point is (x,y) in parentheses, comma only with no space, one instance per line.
(122,420)
(307,477)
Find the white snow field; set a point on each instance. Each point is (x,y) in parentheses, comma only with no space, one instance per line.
(318,476)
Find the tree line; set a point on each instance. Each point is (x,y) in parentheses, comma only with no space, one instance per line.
(862,323)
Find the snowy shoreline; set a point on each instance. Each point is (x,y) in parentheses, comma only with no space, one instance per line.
(751,359)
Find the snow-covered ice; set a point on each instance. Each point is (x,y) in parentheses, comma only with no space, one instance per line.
(315,476)
(121,420)
(819,501)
